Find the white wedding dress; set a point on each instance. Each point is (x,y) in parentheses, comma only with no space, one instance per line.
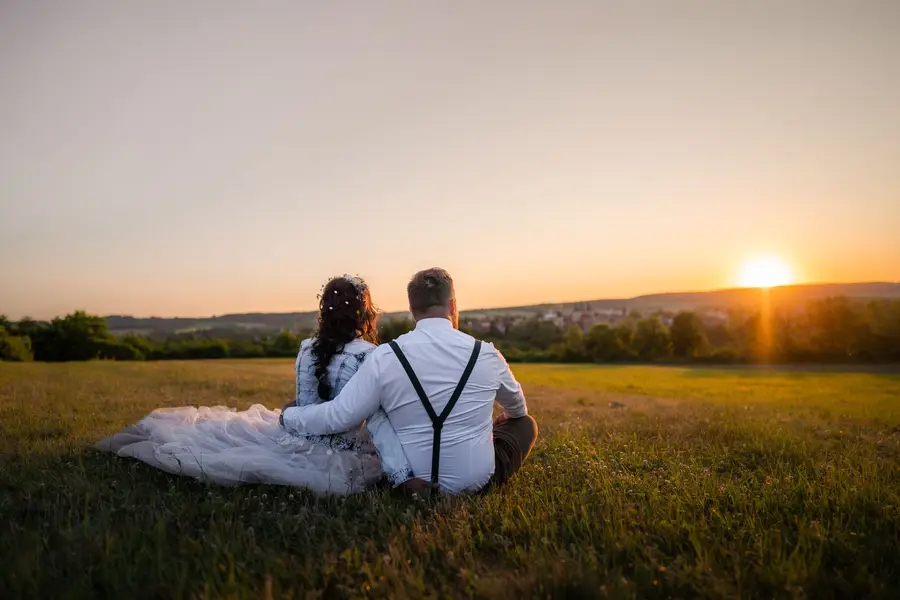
(225,446)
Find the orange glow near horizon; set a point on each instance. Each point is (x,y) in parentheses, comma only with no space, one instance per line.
(766,272)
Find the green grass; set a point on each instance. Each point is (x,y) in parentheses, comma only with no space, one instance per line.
(646,482)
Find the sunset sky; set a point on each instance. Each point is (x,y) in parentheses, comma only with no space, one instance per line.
(181,158)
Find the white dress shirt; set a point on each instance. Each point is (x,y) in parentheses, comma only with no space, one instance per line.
(438,354)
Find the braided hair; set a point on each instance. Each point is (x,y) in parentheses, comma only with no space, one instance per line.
(346,312)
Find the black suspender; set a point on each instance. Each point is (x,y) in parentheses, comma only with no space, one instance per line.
(437,422)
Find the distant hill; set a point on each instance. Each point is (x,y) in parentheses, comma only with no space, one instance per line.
(790,295)
(785,296)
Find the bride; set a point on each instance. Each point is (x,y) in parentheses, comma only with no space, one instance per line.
(224,446)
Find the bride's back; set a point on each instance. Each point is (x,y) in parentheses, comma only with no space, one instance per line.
(342,366)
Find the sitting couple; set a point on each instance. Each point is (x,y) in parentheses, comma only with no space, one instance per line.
(417,410)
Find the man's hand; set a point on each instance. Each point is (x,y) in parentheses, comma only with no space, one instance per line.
(501,418)
(417,486)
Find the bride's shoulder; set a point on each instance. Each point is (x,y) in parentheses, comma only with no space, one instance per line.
(359,346)
(305,351)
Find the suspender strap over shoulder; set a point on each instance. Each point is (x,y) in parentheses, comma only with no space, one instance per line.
(437,421)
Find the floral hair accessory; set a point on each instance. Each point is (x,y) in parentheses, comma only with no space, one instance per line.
(356,281)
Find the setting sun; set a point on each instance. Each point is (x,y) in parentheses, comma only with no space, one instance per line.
(765,272)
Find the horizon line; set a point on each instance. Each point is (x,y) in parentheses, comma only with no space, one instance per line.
(506,307)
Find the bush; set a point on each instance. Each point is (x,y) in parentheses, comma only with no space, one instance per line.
(15,348)
(78,336)
(252,349)
(687,335)
(284,344)
(391,329)
(605,344)
(117,350)
(722,356)
(193,349)
(651,339)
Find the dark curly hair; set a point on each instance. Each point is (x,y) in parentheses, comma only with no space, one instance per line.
(346,312)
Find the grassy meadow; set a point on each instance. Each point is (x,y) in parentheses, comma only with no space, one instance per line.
(646,482)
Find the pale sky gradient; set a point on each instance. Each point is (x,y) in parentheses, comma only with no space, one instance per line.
(196,158)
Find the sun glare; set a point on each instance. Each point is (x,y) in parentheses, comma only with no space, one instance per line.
(765,272)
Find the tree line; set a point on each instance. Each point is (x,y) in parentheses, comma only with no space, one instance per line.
(80,336)
(826,331)
(832,330)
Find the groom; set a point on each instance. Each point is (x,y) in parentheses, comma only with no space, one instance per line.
(438,387)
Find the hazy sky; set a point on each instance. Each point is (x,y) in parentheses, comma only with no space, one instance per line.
(196,158)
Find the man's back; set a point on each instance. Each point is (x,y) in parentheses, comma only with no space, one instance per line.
(438,355)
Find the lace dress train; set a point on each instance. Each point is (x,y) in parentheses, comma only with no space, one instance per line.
(225,446)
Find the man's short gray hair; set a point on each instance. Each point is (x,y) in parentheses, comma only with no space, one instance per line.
(429,288)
